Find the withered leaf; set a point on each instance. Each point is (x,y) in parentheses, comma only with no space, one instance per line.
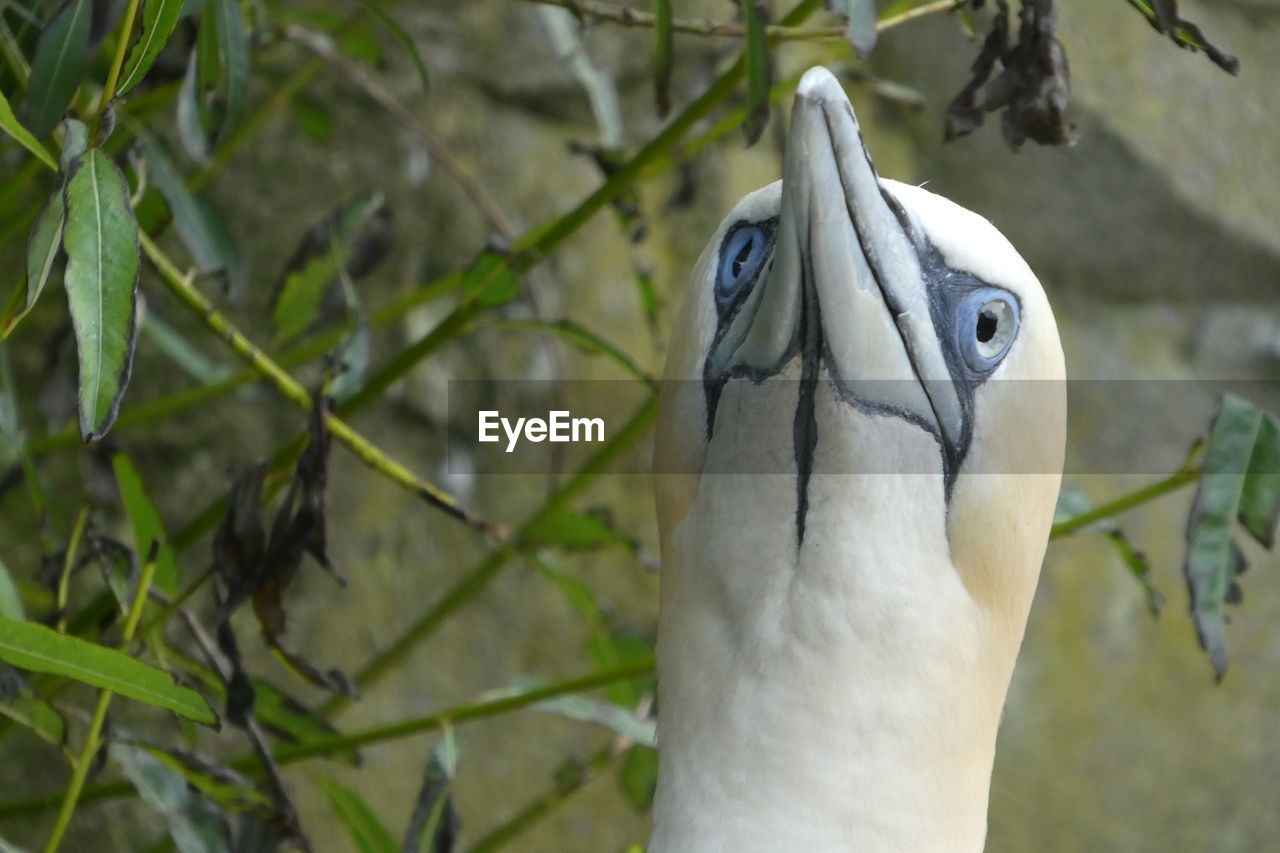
(435,823)
(1032,88)
(1163,17)
(239,542)
(259,566)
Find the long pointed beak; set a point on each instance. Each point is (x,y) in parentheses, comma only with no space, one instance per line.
(846,251)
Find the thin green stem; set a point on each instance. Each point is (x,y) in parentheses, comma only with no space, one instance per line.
(13,56)
(561,789)
(80,772)
(461,714)
(113,76)
(68,563)
(1144,495)
(93,738)
(626,16)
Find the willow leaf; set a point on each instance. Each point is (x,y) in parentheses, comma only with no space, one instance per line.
(39,649)
(159,19)
(58,66)
(862,28)
(1260,497)
(43,245)
(1212,557)
(233,64)
(148,531)
(9,124)
(199,225)
(368,835)
(101,242)
(758,72)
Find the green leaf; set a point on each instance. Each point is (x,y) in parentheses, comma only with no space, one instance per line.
(490,282)
(650,301)
(189,118)
(1260,497)
(12,440)
(353,238)
(433,824)
(1139,566)
(351,359)
(40,649)
(572,530)
(301,296)
(608,649)
(194,825)
(1184,33)
(312,117)
(27,710)
(638,777)
(58,65)
(43,245)
(401,35)
(199,225)
(283,715)
(1072,503)
(614,649)
(1211,560)
(148,531)
(184,354)
(101,241)
(10,599)
(585,340)
(359,43)
(233,65)
(758,72)
(367,832)
(293,721)
(159,19)
(861,18)
(10,125)
(662,40)
(230,789)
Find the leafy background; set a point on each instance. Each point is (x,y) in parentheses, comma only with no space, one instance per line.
(369,166)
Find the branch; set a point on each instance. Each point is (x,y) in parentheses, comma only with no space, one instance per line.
(625,16)
(113,76)
(1172,483)
(369,453)
(290,753)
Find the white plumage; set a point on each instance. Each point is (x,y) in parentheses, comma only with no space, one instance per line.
(858,456)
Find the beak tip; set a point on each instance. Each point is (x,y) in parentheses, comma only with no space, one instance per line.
(821,86)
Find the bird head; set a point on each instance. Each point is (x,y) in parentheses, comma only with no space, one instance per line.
(843,325)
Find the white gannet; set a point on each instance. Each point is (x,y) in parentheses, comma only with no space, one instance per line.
(855,490)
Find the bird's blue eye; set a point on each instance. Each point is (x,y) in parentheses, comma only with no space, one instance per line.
(741,255)
(986,325)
